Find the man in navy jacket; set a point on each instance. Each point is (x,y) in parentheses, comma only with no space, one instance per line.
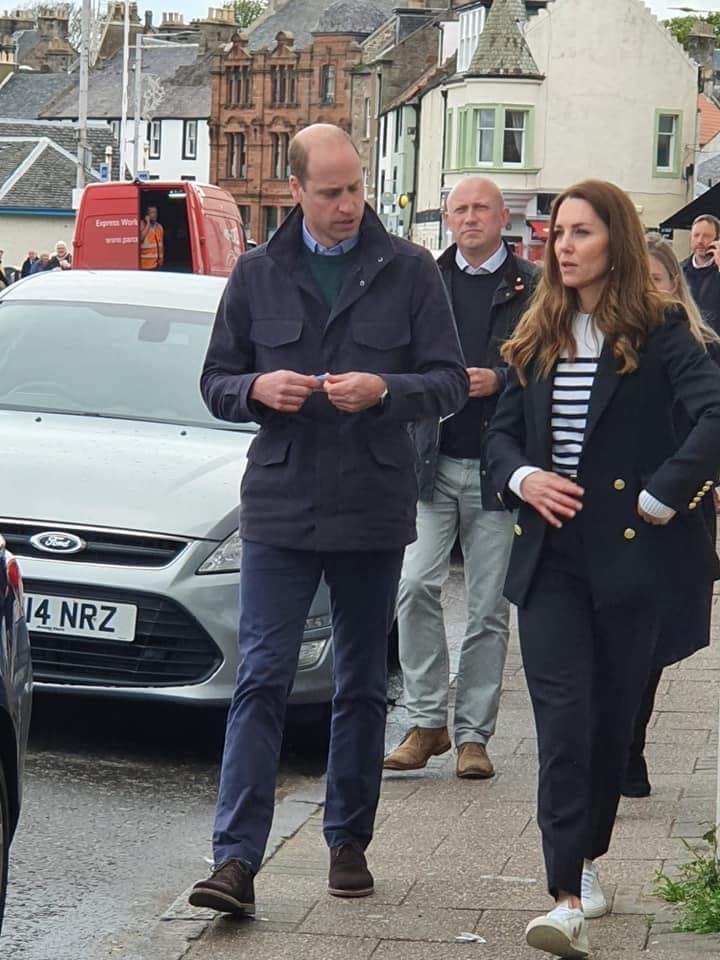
(334,336)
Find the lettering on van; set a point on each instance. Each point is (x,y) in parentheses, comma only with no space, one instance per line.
(122,240)
(121,222)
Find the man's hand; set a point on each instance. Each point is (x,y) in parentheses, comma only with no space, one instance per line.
(554,497)
(353,392)
(714,248)
(483,382)
(283,390)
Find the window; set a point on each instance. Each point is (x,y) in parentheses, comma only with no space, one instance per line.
(236,158)
(368,118)
(327,83)
(282,85)
(398,128)
(238,86)
(270,216)
(245,215)
(384,135)
(667,159)
(492,136)
(246,85)
(485,123)
(280,159)
(189,140)
(285,138)
(154,136)
(514,138)
(472,24)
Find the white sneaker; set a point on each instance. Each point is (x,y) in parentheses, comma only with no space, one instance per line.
(593,898)
(560,932)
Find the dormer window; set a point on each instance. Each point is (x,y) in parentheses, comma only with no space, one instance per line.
(472,24)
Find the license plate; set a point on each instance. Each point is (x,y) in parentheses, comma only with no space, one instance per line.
(96,619)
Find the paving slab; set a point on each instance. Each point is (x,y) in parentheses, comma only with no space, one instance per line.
(452,856)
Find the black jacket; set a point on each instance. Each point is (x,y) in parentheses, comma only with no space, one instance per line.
(510,301)
(321,479)
(706,293)
(631,443)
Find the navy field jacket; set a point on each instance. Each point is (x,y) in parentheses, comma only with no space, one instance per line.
(321,479)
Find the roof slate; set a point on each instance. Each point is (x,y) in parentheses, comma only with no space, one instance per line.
(353,17)
(502,50)
(25,95)
(300,18)
(50,179)
(185,79)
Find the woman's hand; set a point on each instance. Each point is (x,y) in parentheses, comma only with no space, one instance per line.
(554,497)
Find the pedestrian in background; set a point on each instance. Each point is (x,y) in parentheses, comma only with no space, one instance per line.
(40,264)
(489,288)
(28,263)
(334,336)
(685,627)
(584,440)
(61,259)
(702,267)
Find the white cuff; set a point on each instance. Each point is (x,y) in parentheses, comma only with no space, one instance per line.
(653,507)
(515,481)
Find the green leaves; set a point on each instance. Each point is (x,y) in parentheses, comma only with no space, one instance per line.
(696,889)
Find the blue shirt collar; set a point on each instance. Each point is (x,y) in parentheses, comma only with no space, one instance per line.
(345,246)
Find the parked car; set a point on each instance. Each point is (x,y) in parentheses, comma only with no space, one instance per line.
(15,697)
(121,491)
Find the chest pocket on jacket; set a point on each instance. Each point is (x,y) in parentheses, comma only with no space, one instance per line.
(382,335)
(268,449)
(275,332)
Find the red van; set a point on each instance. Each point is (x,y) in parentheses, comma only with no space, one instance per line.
(203,232)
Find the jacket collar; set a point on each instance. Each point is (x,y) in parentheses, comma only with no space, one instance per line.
(514,278)
(375,245)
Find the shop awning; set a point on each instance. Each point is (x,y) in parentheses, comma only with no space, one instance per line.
(540,229)
(708,202)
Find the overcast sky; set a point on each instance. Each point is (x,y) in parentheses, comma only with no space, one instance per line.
(198,8)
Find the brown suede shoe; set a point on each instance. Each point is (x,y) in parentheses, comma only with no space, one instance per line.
(473,762)
(228,889)
(416,748)
(349,875)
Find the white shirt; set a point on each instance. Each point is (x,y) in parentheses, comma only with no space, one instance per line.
(492,263)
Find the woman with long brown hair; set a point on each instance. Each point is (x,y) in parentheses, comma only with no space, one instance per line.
(584,442)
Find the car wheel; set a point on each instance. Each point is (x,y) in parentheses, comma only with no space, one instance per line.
(5,838)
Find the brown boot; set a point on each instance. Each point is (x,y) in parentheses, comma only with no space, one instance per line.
(473,762)
(416,748)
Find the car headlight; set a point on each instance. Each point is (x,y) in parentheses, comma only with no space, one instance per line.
(225,558)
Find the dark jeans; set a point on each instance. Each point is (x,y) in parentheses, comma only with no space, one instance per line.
(586,670)
(276,589)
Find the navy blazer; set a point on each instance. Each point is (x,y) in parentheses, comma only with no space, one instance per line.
(632,442)
(321,479)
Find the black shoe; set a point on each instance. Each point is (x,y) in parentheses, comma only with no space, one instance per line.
(636,783)
(349,875)
(228,889)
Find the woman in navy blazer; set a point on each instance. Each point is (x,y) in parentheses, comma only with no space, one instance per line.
(585,442)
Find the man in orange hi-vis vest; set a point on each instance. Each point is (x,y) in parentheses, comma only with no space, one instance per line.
(152,241)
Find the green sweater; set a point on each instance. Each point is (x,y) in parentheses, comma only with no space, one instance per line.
(329,272)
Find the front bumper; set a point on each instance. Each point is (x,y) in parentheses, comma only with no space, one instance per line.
(186,646)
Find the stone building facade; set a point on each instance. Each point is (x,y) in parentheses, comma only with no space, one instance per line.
(262,95)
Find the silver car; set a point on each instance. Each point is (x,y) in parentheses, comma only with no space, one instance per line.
(124,490)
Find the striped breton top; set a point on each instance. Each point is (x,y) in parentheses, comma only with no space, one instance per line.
(572,385)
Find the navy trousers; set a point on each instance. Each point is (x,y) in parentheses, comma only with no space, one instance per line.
(587,670)
(277,586)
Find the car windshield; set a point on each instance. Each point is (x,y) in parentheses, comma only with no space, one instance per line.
(106,360)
